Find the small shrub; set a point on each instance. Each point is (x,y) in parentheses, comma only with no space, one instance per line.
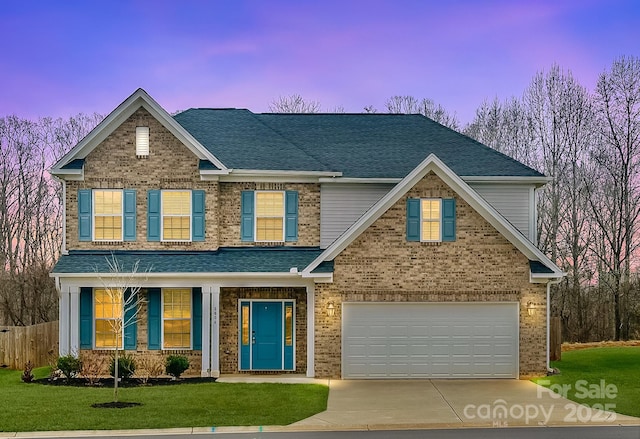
(176,365)
(149,367)
(126,367)
(92,370)
(27,373)
(70,365)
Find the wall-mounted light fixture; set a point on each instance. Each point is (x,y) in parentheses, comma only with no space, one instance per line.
(331,309)
(531,308)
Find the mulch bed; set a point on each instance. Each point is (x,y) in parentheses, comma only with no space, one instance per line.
(132,382)
(115,405)
(598,344)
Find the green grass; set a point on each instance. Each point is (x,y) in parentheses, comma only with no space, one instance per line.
(609,376)
(36,407)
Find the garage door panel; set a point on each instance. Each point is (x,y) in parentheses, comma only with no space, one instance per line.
(420,340)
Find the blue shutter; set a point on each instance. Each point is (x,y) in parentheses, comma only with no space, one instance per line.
(291,216)
(449,219)
(84,214)
(413,219)
(130,215)
(197,215)
(246,216)
(153,215)
(86,318)
(154,323)
(131,325)
(197,319)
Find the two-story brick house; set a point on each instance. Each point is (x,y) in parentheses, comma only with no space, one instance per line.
(335,245)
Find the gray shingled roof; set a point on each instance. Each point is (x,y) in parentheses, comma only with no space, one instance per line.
(358,145)
(224,260)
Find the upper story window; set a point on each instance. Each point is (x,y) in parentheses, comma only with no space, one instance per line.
(142,141)
(107,215)
(431,219)
(269,216)
(107,212)
(175,215)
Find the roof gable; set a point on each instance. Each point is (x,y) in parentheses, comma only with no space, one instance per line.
(433,164)
(138,99)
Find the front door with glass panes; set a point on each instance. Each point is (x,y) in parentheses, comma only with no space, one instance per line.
(266,334)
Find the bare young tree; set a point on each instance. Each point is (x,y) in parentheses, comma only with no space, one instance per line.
(294,103)
(122,302)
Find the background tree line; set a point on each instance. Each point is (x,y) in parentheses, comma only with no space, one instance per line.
(586,141)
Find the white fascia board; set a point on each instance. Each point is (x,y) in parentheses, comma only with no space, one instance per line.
(258,175)
(139,98)
(360,180)
(434,164)
(68,174)
(543,278)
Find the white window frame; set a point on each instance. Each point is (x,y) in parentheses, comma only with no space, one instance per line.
(94,215)
(164,348)
(102,348)
(162,215)
(142,141)
(422,220)
(255,216)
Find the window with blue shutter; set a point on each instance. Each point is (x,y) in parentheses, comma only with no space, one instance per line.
(86,318)
(130,323)
(291,216)
(129,215)
(413,219)
(154,318)
(247,216)
(197,215)
(449,219)
(197,319)
(84,214)
(153,215)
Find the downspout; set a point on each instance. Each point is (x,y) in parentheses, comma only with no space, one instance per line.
(551,282)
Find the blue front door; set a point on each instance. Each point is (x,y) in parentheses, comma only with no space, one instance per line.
(267,332)
(266,335)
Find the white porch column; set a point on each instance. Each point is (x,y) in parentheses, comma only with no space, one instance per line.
(63,321)
(74,320)
(311,331)
(206,331)
(215,331)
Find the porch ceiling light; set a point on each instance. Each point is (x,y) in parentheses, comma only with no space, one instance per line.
(331,309)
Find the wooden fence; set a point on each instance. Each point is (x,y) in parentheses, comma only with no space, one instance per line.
(19,344)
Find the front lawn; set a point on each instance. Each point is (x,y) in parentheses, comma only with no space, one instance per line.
(599,377)
(36,407)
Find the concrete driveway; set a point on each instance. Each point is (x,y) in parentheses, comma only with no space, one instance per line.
(374,404)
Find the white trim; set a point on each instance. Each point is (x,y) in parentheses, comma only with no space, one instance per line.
(311,331)
(341,180)
(129,106)
(64,321)
(206,330)
(539,181)
(282,173)
(433,164)
(215,326)
(74,319)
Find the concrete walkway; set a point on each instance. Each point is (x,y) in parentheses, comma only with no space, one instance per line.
(375,404)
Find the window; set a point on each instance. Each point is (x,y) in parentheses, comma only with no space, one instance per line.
(176,318)
(107,211)
(107,215)
(142,141)
(431,217)
(176,215)
(269,216)
(108,315)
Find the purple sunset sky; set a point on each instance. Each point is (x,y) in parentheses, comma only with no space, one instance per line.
(59,58)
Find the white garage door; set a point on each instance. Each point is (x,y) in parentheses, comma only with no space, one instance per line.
(430,340)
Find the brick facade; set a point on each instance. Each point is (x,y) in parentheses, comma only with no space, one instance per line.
(480,266)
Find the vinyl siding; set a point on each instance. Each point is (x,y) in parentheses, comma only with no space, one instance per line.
(514,202)
(342,204)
